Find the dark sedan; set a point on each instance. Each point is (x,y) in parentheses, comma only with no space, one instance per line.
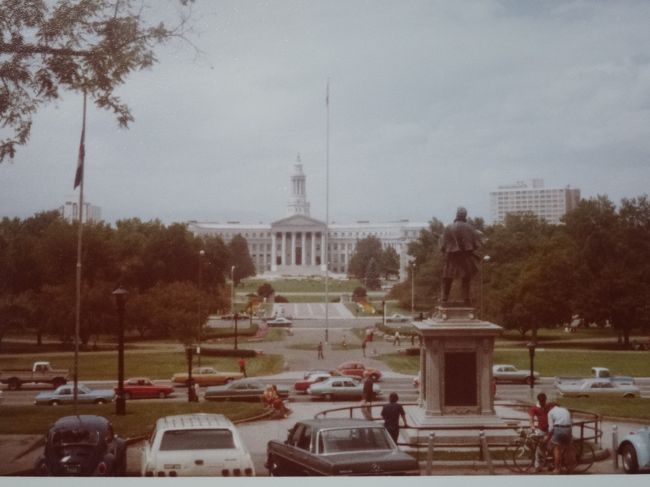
(334,446)
(82,445)
(241,390)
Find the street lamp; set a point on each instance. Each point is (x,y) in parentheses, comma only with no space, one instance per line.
(484,260)
(412,287)
(200,326)
(531,354)
(120,300)
(232,291)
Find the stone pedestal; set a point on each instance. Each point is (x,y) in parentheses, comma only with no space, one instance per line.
(456,369)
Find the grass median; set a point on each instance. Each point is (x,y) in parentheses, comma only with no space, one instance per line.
(139,420)
(139,363)
(549,363)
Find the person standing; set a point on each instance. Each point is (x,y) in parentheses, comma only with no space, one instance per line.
(363,347)
(320,351)
(367,395)
(242,366)
(559,432)
(391,413)
(396,339)
(538,416)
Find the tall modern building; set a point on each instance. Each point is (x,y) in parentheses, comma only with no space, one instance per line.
(549,204)
(70,212)
(295,244)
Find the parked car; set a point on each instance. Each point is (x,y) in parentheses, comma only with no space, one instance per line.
(241,390)
(318,371)
(598,388)
(279,321)
(302,385)
(339,388)
(196,445)
(336,446)
(205,376)
(397,318)
(596,373)
(358,369)
(40,373)
(82,445)
(65,395)
(510,373)
(139,387)
(635,450)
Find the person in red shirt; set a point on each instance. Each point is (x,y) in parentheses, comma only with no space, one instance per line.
(538,415)
(242,366)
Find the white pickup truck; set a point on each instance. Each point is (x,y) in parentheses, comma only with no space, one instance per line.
(597,373)
(41,372)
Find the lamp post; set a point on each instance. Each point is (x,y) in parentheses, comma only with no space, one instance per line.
(189,351)
(200,326)
(484,260)
(531,354)
(232,291)
(412,288)
(120,300)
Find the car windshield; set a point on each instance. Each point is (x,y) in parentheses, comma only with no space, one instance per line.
(75,437)
(353,439)
(199,439)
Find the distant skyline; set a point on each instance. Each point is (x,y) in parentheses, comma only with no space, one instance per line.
(433,105)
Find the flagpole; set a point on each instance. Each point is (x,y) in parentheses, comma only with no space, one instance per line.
(327,210)
(79,180)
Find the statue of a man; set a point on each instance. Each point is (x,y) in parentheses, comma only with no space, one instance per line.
(458,243)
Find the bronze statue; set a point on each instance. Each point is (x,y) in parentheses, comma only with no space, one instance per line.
(459,241)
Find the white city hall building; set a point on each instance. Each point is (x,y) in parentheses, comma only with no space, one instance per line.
(294,245)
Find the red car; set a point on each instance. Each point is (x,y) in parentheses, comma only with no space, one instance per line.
(140,387)
(359,370)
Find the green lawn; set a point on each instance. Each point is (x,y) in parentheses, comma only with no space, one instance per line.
(153,364)
(139,419)
(550,362)
(309,285)
(638,408)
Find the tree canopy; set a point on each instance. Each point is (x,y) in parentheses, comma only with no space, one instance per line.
(82,46)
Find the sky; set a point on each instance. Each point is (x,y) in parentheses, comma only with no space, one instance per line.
(433,104)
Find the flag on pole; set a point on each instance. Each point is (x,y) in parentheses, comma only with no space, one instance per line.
(78,178)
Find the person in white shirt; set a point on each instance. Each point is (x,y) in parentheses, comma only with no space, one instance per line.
(559,432)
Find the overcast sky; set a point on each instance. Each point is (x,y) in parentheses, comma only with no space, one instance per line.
(433,104)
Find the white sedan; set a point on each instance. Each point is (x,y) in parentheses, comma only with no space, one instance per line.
(599,388)
(193,445)
(397,318)
(510,373)
(279,321)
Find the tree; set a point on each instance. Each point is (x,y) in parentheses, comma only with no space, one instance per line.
(366,249)
(265,290)
(372,275)
(240,258)
(389,262)
(82,46)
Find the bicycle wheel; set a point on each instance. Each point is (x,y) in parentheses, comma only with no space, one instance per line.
(569,459)
(585,457)
(523,458)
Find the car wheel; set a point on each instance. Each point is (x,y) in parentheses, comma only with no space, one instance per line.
(528,381)
(273,467)
(327,397)
(13,384)
(162,395)
(630,462)
(58,382)
(100,401)
(54,403)
(628,395)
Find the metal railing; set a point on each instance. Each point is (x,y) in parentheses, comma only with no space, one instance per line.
(588,425)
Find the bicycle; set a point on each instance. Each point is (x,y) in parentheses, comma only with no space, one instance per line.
(577,457)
